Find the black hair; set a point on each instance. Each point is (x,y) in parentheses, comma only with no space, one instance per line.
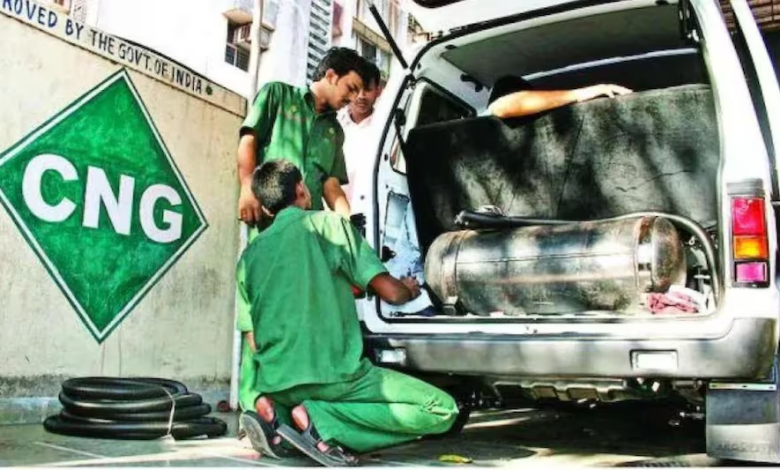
(273,184)
(373,76)
(508,84)
(343,60)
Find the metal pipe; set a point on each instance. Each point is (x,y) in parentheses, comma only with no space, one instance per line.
(254,67)
(255,50)
(238,337)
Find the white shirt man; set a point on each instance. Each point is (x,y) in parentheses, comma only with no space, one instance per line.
(360,146)
(361,140)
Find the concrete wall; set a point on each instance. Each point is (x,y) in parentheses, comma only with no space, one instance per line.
(182,328)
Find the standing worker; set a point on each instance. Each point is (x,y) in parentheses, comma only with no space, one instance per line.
(297,124)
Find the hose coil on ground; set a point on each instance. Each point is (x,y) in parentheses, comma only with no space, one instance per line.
(132,408)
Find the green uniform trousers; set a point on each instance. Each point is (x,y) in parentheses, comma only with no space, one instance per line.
(247,378)
(379,409)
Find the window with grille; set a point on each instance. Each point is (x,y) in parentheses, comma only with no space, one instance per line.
(367,50)
(234,55)
(370,51)
(237,57)
(320,24)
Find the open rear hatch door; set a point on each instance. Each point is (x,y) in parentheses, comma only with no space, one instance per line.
(447,15)
(766,92)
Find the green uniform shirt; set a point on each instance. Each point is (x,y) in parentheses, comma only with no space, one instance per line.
(295,280)
(287,126)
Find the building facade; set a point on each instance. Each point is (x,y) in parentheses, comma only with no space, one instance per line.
(213,37)
(320,34)
(354,26)
(210,37)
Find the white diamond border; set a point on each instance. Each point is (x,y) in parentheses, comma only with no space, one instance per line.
(101,335)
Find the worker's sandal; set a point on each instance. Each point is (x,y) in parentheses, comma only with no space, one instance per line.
(308,442)
(262,433)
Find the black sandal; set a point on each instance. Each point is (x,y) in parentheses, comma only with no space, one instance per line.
(307,442)
(262,434)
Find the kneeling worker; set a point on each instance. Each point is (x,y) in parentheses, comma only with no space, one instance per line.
(315,389)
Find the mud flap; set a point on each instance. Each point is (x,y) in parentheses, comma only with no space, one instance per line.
(743,420)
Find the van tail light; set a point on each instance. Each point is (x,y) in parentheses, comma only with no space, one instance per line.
(749,241)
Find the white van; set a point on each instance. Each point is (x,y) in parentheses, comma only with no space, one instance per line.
(616,249)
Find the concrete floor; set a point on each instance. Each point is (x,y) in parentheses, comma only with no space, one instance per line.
(623,436)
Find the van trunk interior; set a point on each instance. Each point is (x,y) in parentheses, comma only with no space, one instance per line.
(649,151)
(657,149)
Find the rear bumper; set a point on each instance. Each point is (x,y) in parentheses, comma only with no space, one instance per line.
(744,351)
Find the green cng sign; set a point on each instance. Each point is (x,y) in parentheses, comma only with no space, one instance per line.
(100,200)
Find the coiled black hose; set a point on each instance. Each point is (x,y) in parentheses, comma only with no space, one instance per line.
(132,408)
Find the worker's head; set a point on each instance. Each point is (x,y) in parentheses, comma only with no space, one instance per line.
(278,184)
(372,88)
(506,85)
(341,75)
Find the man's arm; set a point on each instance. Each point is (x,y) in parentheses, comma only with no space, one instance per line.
(529,102)
(248,206)
(249,337)
(395,291)
(255,131)
(244,317)
(335,197)
(362,266)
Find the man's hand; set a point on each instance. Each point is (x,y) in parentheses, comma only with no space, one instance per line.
(591,92)
(335,198)
(413,286)
(249,210)
(395,291)
(249,337)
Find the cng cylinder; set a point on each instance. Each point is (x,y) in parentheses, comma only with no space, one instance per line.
(555,269)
